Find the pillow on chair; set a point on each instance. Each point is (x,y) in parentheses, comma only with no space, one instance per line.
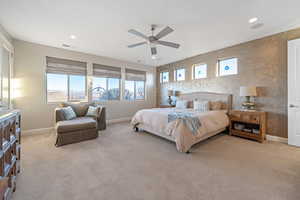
(69,113)
(92,111)
(79,108)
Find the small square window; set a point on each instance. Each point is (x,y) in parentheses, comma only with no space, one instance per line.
(200,71)
(180,74)
(164,77)
(228,67)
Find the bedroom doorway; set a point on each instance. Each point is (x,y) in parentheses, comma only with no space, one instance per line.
(294,92)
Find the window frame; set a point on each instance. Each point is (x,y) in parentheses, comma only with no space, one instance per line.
(68,89)
(92,100)
(194,71)
(10,95)
(161,77)
(223,59)
(134,93)
(175,73)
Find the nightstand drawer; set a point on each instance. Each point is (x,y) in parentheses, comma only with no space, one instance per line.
(245,117)
(251,118)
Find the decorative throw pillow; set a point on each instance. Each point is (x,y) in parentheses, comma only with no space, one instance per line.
(201,106)
(215,105)
(182,104)
(68,113)
(92,111)
(79,108)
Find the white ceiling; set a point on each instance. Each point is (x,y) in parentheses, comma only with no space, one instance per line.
(101,25)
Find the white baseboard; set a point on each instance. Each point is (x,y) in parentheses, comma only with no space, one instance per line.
(38,131)
(113,121)
(277,139)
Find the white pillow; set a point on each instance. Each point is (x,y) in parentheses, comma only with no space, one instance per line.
(182,104)
(201,106)
(92,111)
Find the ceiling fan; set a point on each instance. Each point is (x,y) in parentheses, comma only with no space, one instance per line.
(154,40)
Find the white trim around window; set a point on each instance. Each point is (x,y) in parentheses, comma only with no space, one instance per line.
(227,66)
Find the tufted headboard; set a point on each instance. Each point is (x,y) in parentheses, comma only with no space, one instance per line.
(226,99)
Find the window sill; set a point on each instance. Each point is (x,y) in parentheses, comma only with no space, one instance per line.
(220,76)
(136,100)
(55,103)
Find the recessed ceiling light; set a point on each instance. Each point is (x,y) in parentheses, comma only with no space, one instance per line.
(252,20)
(73,37)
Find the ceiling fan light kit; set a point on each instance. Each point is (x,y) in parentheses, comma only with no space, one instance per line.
(154,40)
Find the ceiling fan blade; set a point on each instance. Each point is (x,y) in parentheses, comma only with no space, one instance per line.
(153,51)
(169,44)
(164,32)
(134,32)
(137,44)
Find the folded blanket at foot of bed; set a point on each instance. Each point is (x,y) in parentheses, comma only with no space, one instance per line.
(191,121)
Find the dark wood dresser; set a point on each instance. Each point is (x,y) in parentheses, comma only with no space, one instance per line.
(10,139)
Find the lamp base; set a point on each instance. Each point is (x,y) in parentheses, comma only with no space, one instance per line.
(248,106)
(170,100)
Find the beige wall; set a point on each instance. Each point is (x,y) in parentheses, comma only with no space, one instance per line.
(262,63)
(29,74)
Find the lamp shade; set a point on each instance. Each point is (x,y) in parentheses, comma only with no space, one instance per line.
(248,91)
(170,92)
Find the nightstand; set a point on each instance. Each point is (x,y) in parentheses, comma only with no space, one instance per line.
(248,124)
(167,106)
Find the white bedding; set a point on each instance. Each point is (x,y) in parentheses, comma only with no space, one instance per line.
(157,119)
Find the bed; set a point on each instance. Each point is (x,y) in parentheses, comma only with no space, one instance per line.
(156,120)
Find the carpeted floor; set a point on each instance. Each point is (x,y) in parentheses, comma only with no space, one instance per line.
(124,165)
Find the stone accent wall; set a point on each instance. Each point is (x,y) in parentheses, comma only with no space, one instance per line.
(261,63)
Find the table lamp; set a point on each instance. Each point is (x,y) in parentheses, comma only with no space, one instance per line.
(170,93)
(248,92)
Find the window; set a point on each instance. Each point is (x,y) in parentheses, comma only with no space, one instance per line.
(57,87)
(200,71)
(164,77)
(134,85)
(106,83)
(63,88)
(139,90)
(4,78)
(227,67)
(66,80)
(106,89)
(77,87)
(129,90)
(179,74)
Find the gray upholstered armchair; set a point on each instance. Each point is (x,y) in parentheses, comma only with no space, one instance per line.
(82,127)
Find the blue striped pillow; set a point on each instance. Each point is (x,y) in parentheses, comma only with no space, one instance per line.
(69,113)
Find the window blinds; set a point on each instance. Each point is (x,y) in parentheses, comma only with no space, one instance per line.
(106,71)
(64,66)
(135,75)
